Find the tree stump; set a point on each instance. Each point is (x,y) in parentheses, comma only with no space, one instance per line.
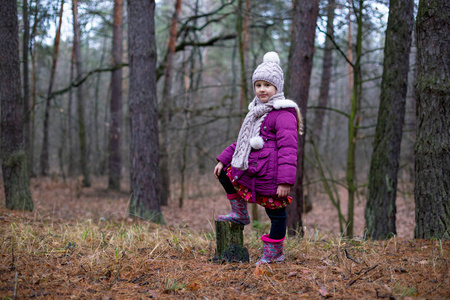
(230,242)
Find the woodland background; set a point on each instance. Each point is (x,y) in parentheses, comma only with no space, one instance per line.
(201,113)
(74,232)
(204,104)
(190,88)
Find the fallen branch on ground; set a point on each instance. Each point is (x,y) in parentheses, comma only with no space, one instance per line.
(365,272)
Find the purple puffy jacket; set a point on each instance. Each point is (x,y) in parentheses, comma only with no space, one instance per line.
(276,162)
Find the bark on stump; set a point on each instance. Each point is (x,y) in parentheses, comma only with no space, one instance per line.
(230,243)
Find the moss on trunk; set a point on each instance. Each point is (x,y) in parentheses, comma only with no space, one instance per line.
(16,182)
(230,242)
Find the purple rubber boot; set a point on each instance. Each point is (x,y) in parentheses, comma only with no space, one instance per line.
(272,251)
(239,213)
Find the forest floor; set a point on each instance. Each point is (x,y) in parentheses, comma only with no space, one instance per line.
(80,243)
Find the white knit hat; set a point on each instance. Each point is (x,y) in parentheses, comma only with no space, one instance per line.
(270,71)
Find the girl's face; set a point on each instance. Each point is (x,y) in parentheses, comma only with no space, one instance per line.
(264,90)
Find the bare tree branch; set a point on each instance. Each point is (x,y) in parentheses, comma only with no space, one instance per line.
(84,78)
(338,48)
(183,45)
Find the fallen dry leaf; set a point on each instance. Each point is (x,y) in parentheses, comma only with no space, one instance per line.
(292,274)
(262,269)
(323,290)
(259,271)
(194,286)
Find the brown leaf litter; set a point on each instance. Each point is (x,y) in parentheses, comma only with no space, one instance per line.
(81,244)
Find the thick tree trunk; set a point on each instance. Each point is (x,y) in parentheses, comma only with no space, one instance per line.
(45,142)
(14,161)
(80,97)
(166,106)
(115,164)
(432,148)
(144,150)
(326,70)
(301,54)
(380,208)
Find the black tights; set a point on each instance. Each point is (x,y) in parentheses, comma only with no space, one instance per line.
(277,216)
(278,223)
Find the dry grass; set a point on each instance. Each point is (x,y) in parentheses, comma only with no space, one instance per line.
(87,247)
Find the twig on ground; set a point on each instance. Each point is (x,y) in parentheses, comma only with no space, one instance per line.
(83,268)
(359,276)
(349,257)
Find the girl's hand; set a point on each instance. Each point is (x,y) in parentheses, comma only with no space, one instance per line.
(283,190)
(218,169)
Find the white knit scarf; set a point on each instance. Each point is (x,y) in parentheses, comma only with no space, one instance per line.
(250,130)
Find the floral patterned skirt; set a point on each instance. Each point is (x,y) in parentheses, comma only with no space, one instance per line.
(270,202)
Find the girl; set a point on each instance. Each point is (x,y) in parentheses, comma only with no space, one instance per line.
(261,166)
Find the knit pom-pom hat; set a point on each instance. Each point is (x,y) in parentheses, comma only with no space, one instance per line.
(270,71)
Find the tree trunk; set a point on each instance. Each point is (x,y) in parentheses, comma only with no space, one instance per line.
(189,82)
(32,99)
(242,47)
(350,47)
(114,160)
(71,167)
(26,84)
(144,148)
(191,92)
(105,158)
(380,208)
(326,70)
(62,146)
(245,39)
(242,31)
(432,147)
(301,54)
(14,161)
(80,97)
(99,155)
(354,119)
(166,106)
(45,142)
